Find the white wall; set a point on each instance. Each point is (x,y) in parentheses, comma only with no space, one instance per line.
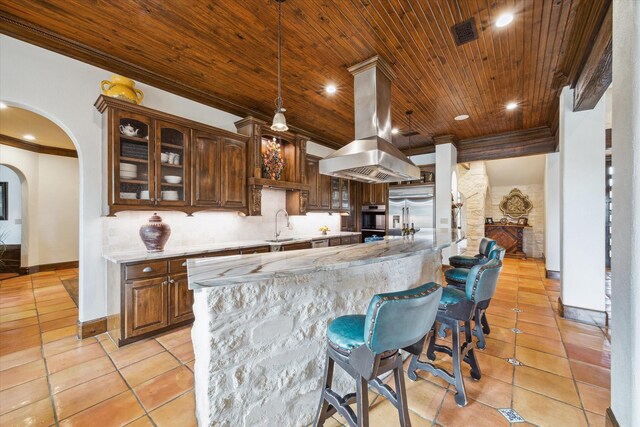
(50,216)
(582,198)
(625,267)
(552,212)
(12,228)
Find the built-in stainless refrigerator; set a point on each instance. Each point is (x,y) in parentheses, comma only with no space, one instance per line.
(411,204)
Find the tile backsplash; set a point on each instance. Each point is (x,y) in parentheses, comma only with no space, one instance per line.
(121,233)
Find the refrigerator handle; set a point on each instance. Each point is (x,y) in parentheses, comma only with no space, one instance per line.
(403,217)
(408,217)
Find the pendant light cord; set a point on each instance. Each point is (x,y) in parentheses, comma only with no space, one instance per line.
(279,100)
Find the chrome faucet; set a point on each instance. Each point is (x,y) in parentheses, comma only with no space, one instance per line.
(286,215)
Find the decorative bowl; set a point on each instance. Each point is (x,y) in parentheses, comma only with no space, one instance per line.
(173,179)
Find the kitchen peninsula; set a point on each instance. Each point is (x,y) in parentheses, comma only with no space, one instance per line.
(260,320)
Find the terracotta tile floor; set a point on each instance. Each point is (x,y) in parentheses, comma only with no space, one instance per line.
(48,377)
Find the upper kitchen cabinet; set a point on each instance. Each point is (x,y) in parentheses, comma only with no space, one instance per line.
(275,160)
(157,161)
(326,193)
(374,194)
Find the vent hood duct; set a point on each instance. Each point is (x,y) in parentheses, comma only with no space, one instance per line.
(371,157)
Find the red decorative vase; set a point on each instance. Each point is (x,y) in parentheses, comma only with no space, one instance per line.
(155,233)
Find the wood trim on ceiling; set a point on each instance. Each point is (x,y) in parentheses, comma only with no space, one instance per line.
(596,75)
(36,35)
(36,148)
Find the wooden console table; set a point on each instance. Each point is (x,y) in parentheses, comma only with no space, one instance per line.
(509,236)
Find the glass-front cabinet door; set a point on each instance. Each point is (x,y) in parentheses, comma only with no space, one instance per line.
(172,144)
(344,194)
(133,160)
(335,193)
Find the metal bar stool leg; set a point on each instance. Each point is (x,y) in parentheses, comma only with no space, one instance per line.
(323,408)
(469,353)
(461,395)
(478,330)
(485,324)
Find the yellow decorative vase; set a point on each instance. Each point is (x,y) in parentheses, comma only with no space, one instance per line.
(123,88)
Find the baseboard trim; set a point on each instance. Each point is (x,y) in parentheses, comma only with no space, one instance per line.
(48,267)
(582,315)
(610,419)
(91,328)
(552,274)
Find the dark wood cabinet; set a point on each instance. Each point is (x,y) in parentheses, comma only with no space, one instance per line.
(158,161)
(324,191)
(374,194)
(296,246)
(180,299)
(145,302)
(206,160)
(313,179)
(232,176)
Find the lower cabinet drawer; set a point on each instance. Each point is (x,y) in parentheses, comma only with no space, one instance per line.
(336,241)
(145,269)
(296,246)
(257,250)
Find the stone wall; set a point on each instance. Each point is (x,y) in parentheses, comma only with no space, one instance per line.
(473,184)
(533,237)
(260,347)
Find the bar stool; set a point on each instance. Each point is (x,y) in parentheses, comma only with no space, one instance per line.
(368,346)
(466,261)
(457,277)
(459,306)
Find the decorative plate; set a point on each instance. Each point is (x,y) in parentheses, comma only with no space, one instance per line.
(515,204)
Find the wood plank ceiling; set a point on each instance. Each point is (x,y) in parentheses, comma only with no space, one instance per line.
(223,53)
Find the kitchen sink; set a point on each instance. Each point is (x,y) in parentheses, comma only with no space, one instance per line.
(288,239)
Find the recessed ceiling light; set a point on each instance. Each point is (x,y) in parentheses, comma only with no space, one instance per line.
(394,131)
(3,105)
(29,137)
(512,106)
(504,20)
(331,88)
(461,117)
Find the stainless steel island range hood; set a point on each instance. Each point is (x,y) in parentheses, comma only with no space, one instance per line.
(371,157)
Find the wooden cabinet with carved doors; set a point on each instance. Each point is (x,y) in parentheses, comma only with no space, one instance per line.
(326,193)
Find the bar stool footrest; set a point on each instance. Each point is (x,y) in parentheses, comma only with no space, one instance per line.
(340,404)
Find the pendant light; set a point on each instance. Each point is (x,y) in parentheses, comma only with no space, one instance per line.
(279,122)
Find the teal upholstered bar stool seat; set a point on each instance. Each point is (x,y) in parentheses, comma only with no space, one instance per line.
(466,261)
(459,306)
(457,277)
(367,346)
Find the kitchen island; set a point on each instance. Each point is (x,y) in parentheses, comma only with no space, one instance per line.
(260,321)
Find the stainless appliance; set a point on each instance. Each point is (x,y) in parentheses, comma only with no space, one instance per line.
(411,205)
(371,157)
(374,220)
(323,243)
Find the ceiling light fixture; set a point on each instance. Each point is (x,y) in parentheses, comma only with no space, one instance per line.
(512,106)
(394,131)
(461,117)
(3,106)
(504,20)
(331,89)
(279,122)
(29,137)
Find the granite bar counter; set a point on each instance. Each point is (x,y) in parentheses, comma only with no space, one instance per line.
(260,321)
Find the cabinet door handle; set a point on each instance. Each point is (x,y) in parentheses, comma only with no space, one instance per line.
(184,264)
(147,270)
(172,281)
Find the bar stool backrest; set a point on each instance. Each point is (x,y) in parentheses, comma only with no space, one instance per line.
(486,245)
(482,281)
(399,319)
(498,253)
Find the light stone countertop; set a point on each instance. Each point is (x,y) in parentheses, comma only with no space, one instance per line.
(134,256)
(238,269)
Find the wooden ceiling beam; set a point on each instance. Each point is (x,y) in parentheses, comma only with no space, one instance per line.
(596,76)
(521,143)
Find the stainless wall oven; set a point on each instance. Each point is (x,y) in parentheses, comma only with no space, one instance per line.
(374,220)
